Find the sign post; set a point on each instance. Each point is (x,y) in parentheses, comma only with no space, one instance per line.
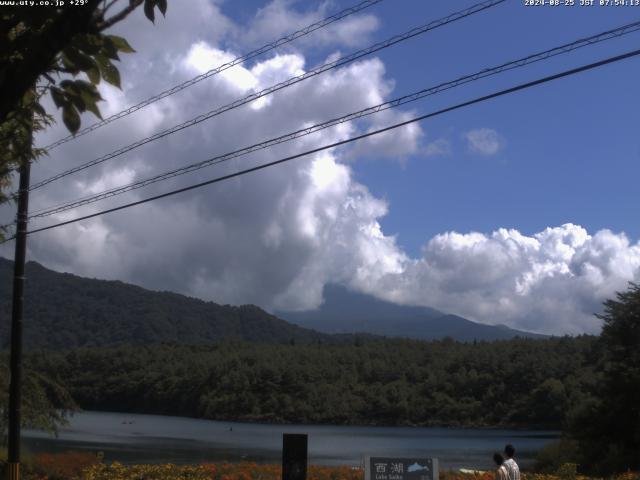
(390,468)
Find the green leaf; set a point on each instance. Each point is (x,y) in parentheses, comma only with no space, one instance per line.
(58,97)
(66,84)
(39,109)
(93,74)
(90,96)
(77,102)
(79,59)
(162,6)
(28,97)
(71,118)
(148,9)
(88,43)
(109,49)
(92,107)
(86,88)
(83,95)
(72,96)
(108,71)
(121,44)
(69,65)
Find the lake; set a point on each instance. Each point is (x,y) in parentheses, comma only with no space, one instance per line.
(154,438)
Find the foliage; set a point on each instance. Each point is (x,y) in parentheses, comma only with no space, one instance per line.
(386,382)
(46,404)
(474,475)
(43,51)
(26,459)
(567,471)
(224,471)
(607,427)
(15,139)
(554,455)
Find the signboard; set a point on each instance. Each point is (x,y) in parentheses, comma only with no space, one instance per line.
(389,468)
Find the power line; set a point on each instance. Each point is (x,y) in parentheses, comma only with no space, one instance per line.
(521,62)
(279,86)
(221,68)
(500,93)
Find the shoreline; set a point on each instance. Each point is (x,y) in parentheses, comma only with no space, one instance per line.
(248,421)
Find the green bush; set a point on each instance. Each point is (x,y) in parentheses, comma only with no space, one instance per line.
(567,471)
(555,458)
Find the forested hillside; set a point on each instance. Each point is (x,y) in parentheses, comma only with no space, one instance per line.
(526,383)
(158,352)
(66,311)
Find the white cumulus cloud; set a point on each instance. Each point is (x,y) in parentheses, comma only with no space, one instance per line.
(273,238)
(484,141)
(281,17)
(438,147)
(277,236)
(553,281)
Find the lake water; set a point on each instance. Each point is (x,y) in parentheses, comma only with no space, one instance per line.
(154,438)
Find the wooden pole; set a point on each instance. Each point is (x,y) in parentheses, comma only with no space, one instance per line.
(15,387)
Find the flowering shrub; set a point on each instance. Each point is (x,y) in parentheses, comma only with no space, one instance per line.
(84,466)
(62,466)
(561,475)
(456,475)
(224,471)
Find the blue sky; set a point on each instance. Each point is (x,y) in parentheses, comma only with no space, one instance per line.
(521,210)
(571,149)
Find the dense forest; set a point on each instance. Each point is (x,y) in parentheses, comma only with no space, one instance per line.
(522,383)
(66,311)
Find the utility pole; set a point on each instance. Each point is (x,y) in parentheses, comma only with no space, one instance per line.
(13,466)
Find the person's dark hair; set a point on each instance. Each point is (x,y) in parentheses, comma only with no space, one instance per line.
(498,458)
(509,451)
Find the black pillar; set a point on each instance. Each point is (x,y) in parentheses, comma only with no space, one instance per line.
(13,467)
(294,456)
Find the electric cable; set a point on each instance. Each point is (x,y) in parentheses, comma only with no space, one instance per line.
(521,62)
(500,93)
(219,69)
(279,86)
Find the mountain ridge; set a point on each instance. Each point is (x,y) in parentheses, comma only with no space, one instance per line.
(65,311)
(346,311)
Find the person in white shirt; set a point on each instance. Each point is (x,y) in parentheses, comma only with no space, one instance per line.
(510,464)
(501,472)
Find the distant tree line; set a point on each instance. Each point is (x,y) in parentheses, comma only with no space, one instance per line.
(520,383)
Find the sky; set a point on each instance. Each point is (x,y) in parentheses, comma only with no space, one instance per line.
(519,211)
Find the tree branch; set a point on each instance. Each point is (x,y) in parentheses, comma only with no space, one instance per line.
(48,77)
(120,15)
(107,6)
